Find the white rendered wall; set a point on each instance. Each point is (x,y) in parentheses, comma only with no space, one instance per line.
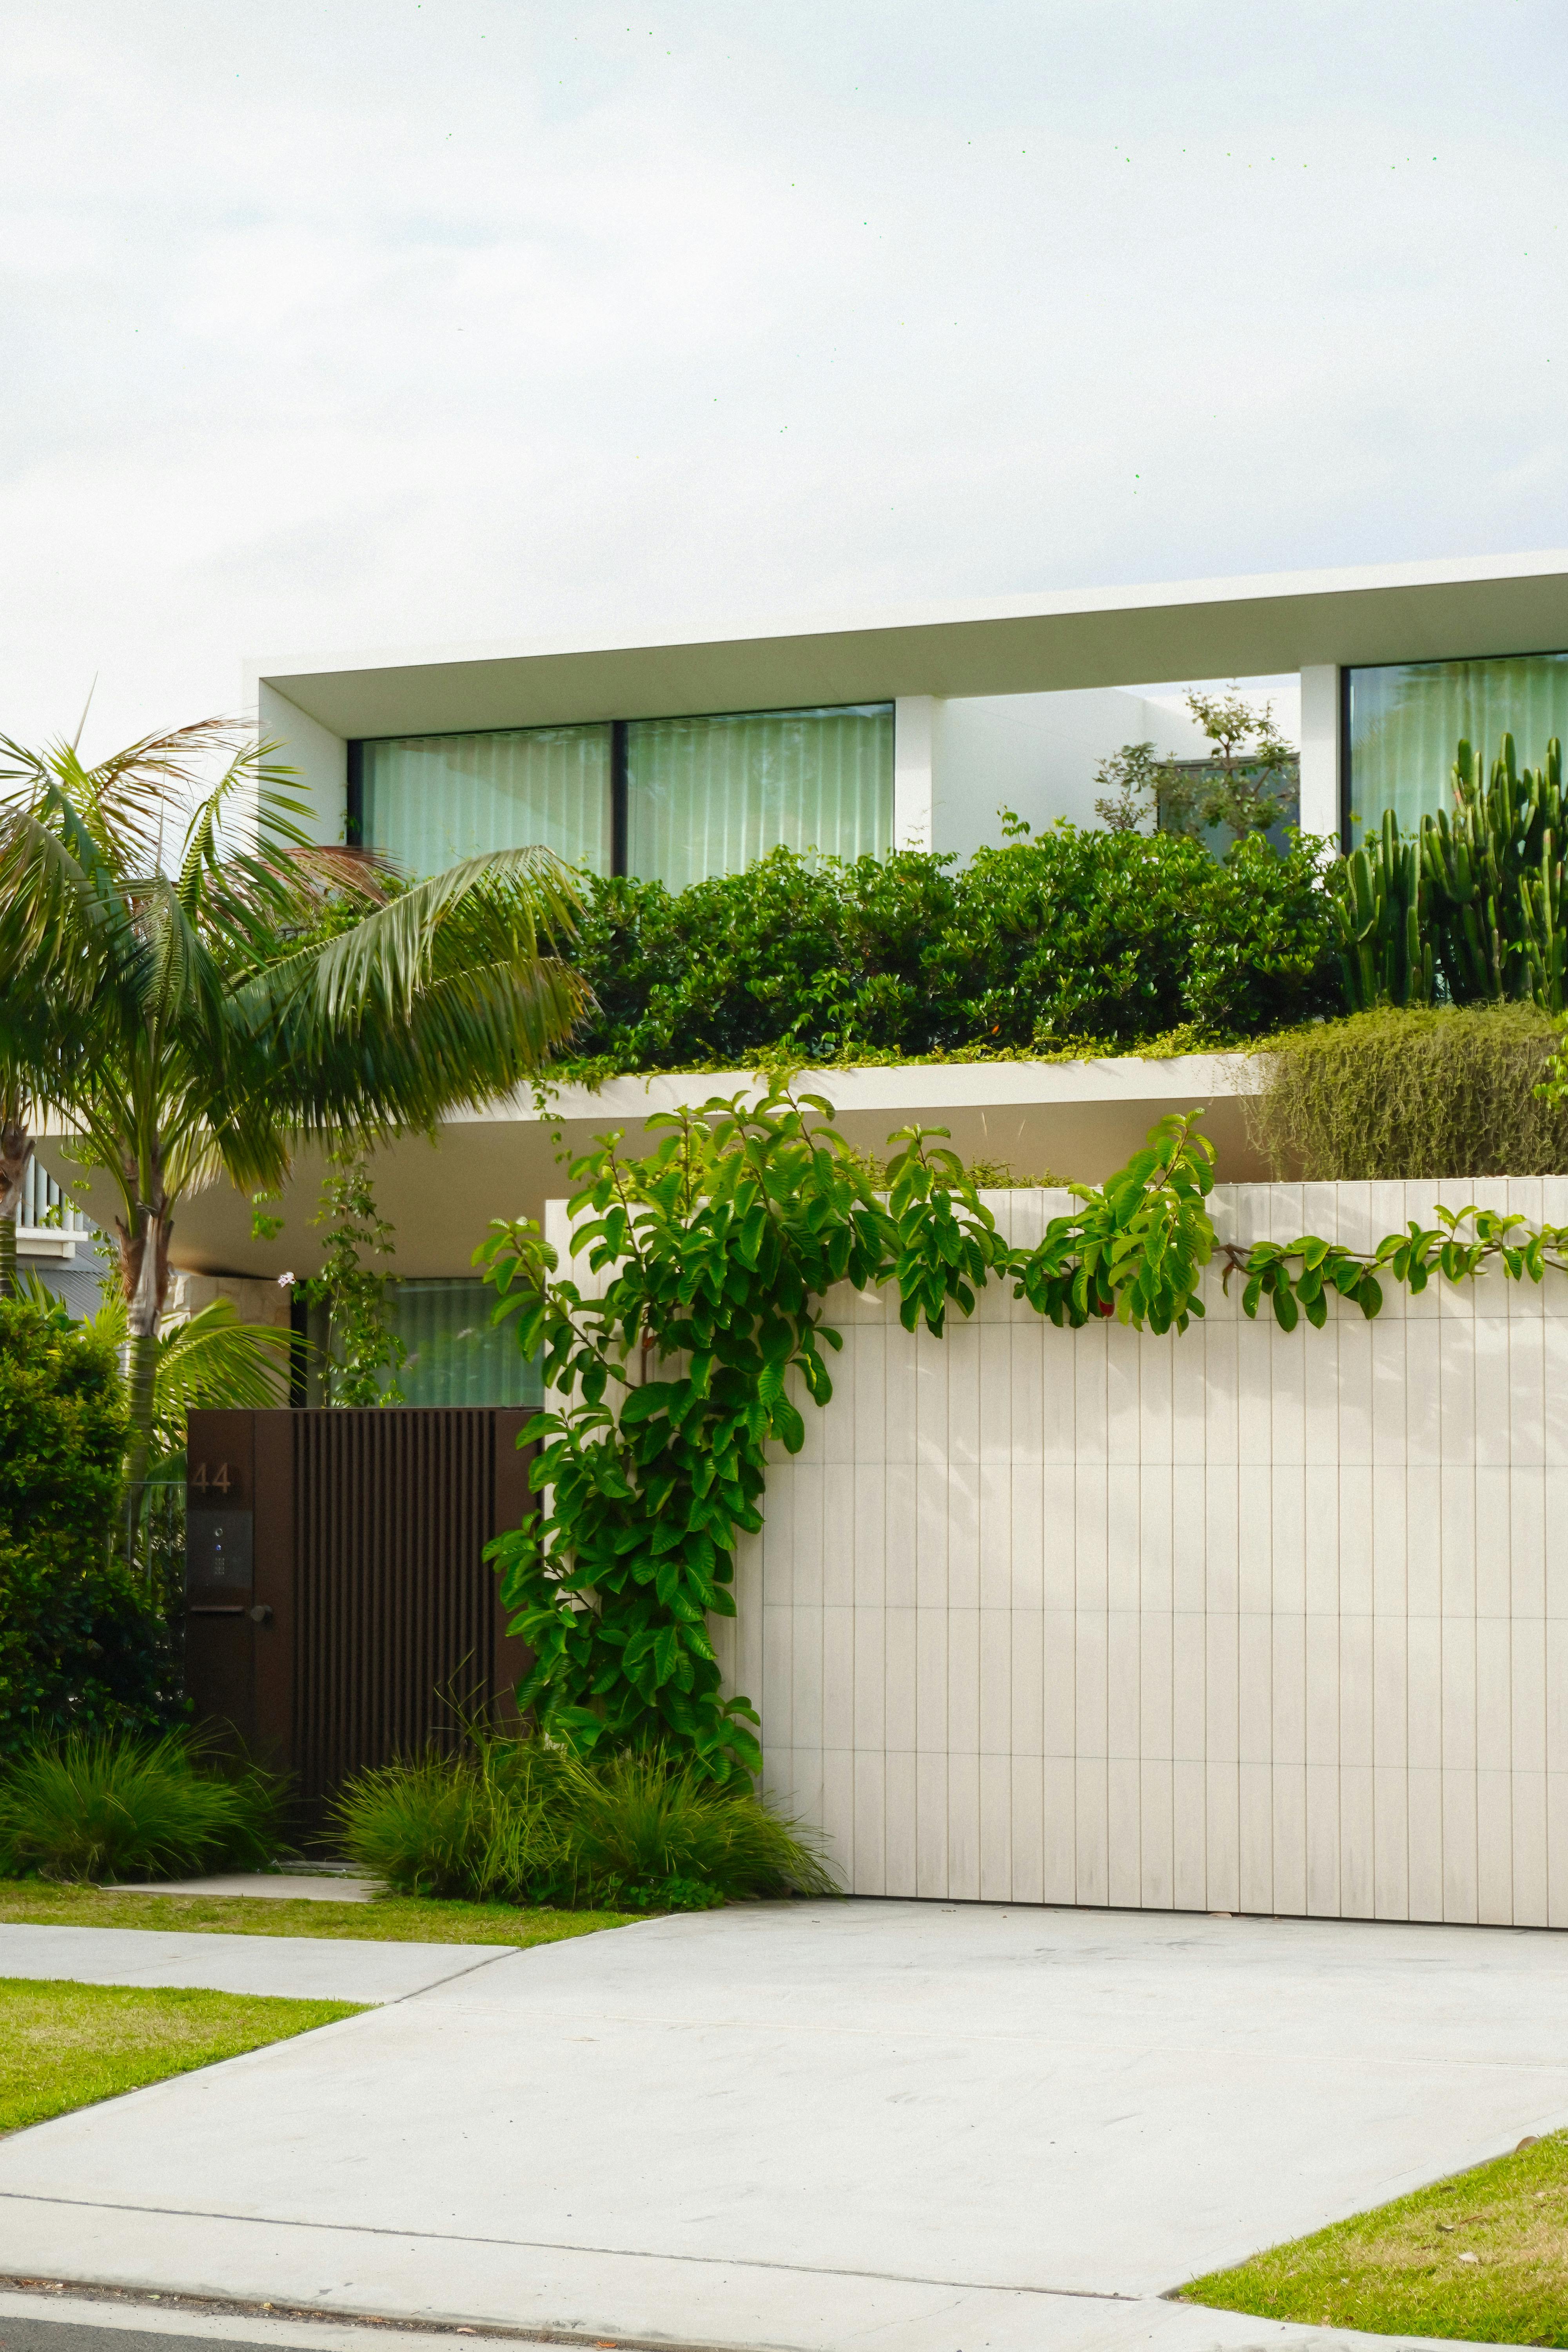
(913,723)
(1234,1620)
(1321,750)
(318,757)
(1037,753)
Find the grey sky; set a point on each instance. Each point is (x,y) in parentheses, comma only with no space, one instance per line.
(338,323)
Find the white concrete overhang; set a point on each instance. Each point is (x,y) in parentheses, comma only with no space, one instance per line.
(1075,1120)
(1256,627)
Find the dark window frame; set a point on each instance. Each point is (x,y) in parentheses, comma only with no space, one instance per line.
(620,735)
(1437,661)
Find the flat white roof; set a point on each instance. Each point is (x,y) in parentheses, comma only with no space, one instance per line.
(1249,627)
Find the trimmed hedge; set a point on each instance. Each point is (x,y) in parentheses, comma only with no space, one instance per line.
(1077,940)
(83,1644)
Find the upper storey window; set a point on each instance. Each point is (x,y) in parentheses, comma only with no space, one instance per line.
(430,800)
(711,795)
(669,800)
(1406,721)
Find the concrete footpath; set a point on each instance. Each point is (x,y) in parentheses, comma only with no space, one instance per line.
(800,2126)
(301,1967)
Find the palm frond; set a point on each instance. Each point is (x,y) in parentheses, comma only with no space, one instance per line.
(212,1362)
(440,999)
(492,909)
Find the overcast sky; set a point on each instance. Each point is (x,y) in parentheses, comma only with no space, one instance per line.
(341,324)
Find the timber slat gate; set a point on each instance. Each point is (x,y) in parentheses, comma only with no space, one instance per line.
(338,1602)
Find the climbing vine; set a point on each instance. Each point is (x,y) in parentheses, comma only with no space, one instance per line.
(716,1254)
(364,1353)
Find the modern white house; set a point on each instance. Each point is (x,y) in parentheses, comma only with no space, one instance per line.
(1236,1620)
(677,756)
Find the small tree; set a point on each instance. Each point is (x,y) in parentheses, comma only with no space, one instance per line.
(1248,786)
(1254,783)
(1131,778)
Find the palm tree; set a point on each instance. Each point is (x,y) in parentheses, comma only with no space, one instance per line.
(257,992)
(37,1035)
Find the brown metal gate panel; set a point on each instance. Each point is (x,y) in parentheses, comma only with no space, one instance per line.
(371,1611)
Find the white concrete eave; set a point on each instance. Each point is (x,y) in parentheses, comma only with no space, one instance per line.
(1074,1120)
(1253,626)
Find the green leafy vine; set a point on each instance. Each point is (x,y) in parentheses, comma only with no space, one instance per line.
(715,1254)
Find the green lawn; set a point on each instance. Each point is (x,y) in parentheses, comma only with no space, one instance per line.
(1484,2256)
(388,1920)
(64,2045)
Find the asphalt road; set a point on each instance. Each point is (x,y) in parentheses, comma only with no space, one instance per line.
(44,2334)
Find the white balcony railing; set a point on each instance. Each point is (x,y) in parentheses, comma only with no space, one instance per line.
(47,1216)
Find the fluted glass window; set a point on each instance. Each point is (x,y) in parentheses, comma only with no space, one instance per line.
(711,795)
(1407,720)
(456,1354)
(430,800)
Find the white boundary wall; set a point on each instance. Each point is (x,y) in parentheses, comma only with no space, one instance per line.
(1234,1620)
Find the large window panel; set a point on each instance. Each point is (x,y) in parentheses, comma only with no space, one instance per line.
(430,800)
(456,1354)
(709,795)
(1407,720)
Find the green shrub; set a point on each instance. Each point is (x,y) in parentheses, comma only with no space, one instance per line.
(97,1806)
(84,1643)
(484,1825)
(1080,940)
(639,1821)
(1424,1092)
(513,1821)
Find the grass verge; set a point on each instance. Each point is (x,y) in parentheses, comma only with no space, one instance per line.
(65,2045)
(387,1919)
(1483,2256)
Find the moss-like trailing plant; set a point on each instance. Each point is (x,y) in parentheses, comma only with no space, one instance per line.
(715,1257)
(1432,1090)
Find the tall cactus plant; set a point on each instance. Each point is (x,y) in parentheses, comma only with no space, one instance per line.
(1380,916)
(1470,909)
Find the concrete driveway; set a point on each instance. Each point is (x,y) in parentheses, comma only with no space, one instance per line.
(947,2128)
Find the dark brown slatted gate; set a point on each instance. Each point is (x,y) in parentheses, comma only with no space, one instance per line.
(338,1596)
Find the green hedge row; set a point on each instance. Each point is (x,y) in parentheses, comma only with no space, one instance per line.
(1077,939)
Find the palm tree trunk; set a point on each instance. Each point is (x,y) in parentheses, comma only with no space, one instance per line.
(145,1276)
(141,1366)
(15,1151)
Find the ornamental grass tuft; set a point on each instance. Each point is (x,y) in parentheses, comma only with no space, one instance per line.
(513,1820)
(105,1806)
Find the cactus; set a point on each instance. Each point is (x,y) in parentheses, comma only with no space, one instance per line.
(1379,910)
(1482,916)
